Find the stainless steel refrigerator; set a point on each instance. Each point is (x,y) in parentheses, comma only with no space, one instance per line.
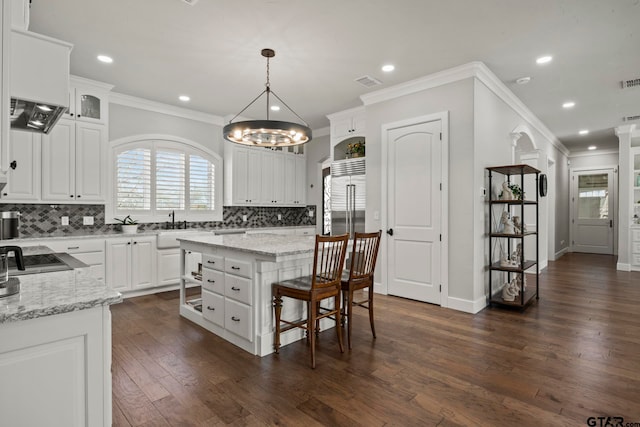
(348,196)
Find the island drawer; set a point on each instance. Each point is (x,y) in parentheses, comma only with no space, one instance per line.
(238,319)
(238,288)
(635,235)
(239,268)
(213,307)
(213,280)
(213,261)
(635,247)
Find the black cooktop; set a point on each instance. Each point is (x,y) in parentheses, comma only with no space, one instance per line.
(41,263)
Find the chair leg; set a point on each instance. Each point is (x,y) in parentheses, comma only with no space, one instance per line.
(343,309)
(277,305)
(311,322)
(349,315)
(317,320)
(373,328)
(338,328)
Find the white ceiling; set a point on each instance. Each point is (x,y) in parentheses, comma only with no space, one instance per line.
(211,52)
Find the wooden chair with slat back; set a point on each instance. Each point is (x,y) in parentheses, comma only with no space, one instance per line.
(323,283)
(360,275)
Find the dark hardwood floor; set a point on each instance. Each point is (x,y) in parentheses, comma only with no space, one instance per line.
(572,355)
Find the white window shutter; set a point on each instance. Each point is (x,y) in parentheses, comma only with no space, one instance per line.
(170,180)
(201,184)
(133,179)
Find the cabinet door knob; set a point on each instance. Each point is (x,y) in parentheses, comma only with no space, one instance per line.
(78,196)
(71,195)
(13,165)
(211,308)
(235,319)
(233,267)
(128,243)
(135,243)
(210,262)
(4,194)
(233,288)
(211,281)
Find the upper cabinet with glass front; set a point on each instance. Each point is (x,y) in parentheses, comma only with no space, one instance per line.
(88,100)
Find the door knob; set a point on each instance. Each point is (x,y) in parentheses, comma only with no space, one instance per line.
(390,232)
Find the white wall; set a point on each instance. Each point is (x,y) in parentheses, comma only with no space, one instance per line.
(457,99)
(494,121)
(317,151)
(593,159)
(128,121)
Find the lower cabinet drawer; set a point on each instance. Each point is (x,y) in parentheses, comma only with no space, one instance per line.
(213,280)
(237,288)
(213,307)
(238,319)
(213,261)
(635,248)
(239,268)
(635,235)
(635,259)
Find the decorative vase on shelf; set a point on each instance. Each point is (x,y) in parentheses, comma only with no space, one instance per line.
(354,155)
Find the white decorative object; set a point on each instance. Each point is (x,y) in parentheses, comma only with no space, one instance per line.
(507,194)
(510,291)
(519,228)
(129,228)
(507,225)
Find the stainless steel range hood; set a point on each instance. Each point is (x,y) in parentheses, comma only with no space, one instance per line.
(39,81)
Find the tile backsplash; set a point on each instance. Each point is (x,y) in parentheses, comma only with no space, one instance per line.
(45,220)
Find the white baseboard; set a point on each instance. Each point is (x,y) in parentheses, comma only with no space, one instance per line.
(467,306)
(623,267)
(561,252)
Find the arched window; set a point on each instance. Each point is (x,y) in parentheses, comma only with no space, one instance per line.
(155,177)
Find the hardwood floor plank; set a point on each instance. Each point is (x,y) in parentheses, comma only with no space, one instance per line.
(573,354)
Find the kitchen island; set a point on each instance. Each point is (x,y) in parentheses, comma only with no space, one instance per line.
(55,351)
(236,277)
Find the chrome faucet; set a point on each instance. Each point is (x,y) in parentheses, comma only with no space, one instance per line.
(173,220)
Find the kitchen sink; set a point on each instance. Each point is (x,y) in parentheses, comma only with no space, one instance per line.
(168,238)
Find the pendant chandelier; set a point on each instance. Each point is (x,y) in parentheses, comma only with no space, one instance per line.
(267,133)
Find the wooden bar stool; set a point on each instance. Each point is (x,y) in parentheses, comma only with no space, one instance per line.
(328,262)
(360,276)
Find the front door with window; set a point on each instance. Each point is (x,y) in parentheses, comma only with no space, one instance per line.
(592,211)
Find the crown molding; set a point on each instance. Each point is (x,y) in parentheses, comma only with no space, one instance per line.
(349,112)
(82,81)
(158,107)
(476,70)
(584,153)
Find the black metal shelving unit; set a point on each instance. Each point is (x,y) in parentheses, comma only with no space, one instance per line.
(527,296)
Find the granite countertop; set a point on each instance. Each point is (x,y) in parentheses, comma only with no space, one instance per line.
(260,243)
(114,234)
(48,294)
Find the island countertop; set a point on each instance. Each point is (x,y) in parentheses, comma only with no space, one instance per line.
(48,294)
(261,243)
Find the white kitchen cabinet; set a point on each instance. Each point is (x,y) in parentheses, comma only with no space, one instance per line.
(88,101)
(169,265)
(20,14)
(351,123)
(295,176)
(74,163)
(262,177)
(23,175)
(56,370)
(245,175)
(272,181)
(5,51)
(131,263)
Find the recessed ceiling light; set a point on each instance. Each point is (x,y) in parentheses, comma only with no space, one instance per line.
(544,59)
(523,80)
(275,108)
(592,147)
(184,98)
(388,68)
(569,104)
(106,59)
(584,132)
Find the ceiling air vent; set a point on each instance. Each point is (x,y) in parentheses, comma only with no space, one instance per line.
(368,81)
(626,84)
(190,2)
(630,118)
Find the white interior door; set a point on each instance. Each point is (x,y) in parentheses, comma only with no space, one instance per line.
(592,211)
(414,211)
